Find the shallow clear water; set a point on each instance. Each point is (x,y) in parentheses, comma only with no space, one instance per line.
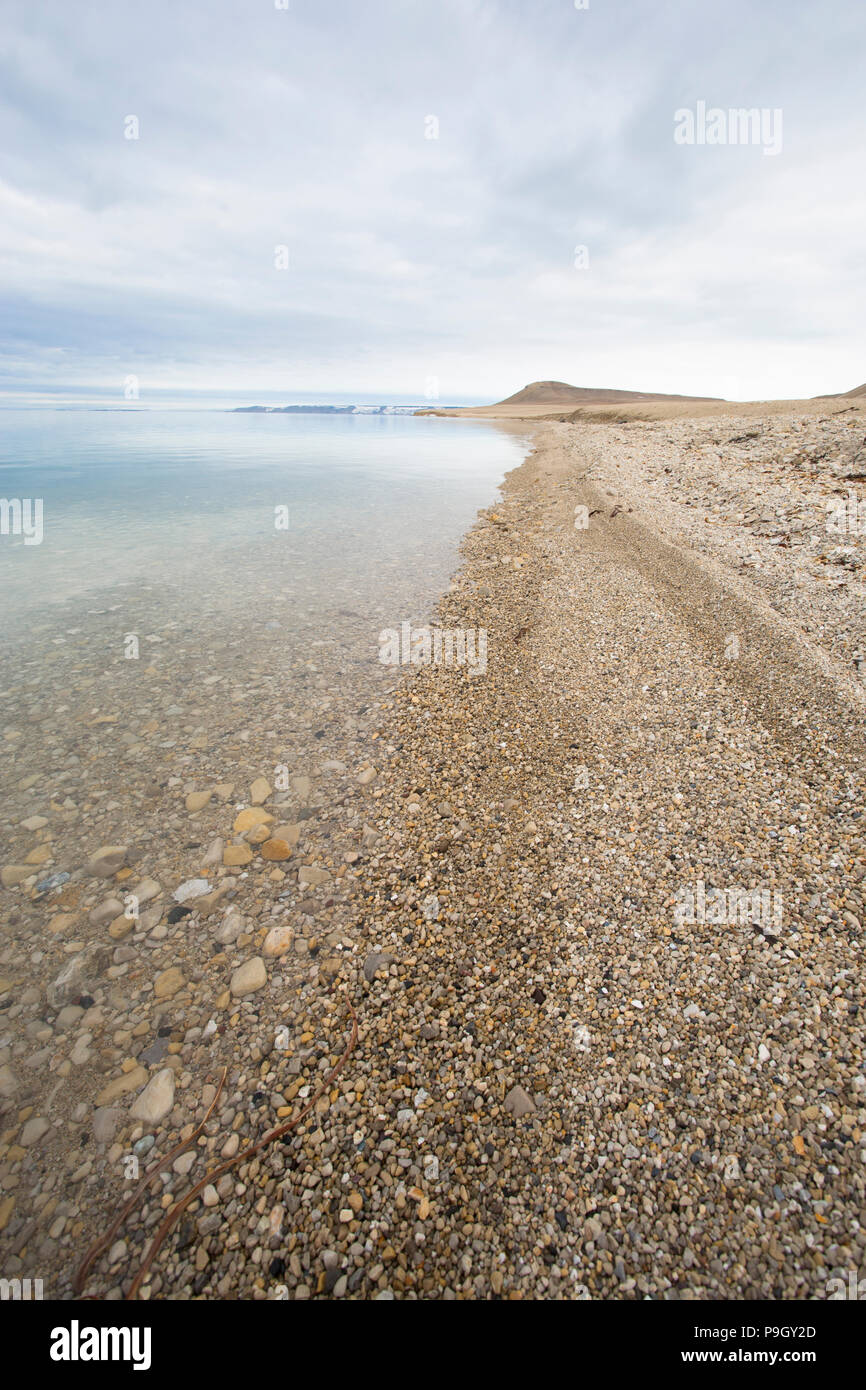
(181,506)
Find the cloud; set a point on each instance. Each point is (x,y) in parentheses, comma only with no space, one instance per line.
(709,268)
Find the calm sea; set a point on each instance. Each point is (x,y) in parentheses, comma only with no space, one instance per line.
(247,518)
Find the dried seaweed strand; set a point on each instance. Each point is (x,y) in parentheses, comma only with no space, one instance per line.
(138,1192)
(180,1206)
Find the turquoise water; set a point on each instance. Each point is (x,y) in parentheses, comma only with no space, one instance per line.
(180,508)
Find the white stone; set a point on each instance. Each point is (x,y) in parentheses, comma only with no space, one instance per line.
(231,928)
(193,888)
(156,1099)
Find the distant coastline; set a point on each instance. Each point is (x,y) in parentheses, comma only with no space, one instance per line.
(324,410)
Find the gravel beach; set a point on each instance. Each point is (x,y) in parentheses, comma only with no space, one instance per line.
(597,907)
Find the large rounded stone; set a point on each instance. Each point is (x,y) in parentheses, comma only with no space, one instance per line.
(249,977)
(278,941)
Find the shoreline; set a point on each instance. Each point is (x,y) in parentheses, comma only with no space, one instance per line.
(559,1090)
(636,412)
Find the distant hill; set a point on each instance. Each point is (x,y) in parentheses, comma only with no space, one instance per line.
(559,393)
(843,395)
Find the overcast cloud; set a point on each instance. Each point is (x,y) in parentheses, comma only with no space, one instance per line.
(716,270)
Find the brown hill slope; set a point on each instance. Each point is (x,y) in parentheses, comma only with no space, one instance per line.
(843,395)
(559,393)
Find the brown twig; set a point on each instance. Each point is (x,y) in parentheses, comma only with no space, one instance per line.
(138,1192)
(174,1212)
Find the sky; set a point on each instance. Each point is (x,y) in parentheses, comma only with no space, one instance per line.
(429,199)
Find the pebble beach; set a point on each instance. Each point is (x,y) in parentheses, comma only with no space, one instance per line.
(431,927)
